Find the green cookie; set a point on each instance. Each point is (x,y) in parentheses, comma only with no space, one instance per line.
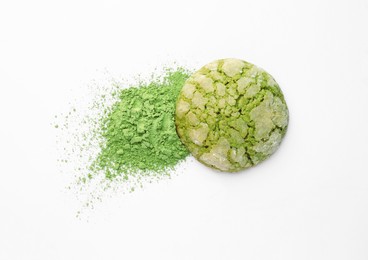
(231,115)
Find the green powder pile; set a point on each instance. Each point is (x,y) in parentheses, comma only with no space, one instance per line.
(139,131)
(121,136)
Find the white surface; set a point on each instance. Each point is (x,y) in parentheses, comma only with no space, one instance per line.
(309,201)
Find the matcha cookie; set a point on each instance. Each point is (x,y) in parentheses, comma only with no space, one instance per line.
(231,115)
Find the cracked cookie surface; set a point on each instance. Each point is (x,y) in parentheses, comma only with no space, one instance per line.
(231,115)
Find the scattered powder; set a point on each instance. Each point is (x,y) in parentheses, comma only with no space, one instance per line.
(139,132)
(123,138)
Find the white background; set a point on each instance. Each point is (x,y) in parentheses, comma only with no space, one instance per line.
(309,201)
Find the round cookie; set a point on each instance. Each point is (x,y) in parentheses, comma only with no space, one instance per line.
(231,115)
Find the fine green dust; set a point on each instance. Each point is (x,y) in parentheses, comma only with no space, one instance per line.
(139,131)
(123,138)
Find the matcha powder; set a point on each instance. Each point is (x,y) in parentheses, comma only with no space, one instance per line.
(123,137)
(139,132)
